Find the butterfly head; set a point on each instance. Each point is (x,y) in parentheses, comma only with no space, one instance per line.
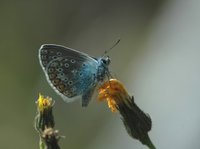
(105,60)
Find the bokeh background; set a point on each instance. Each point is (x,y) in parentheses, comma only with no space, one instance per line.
(158,60)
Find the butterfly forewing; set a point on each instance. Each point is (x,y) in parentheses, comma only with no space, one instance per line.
(49,52)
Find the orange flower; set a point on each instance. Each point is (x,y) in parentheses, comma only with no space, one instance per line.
(114,92)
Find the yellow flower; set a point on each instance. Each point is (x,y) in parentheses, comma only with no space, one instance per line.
(44,103)
(44,119)
(44,123)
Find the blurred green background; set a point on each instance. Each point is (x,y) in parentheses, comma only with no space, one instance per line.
(158,60)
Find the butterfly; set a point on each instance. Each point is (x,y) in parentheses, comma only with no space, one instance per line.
(72,73)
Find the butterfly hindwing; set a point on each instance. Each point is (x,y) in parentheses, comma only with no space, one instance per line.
(69,72)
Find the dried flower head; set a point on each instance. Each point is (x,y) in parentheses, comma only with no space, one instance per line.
(136,122)
(51,137)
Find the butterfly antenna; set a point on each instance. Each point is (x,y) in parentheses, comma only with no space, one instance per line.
(106,51)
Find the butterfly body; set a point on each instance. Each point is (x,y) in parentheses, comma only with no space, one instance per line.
(72,73)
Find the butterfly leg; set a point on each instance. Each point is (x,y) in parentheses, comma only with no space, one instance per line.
(87,97)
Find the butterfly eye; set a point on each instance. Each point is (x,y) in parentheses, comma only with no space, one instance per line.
(83,65)
(80,74)
(106,61)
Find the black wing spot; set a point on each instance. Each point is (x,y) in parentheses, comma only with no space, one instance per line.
(54,64)
(60,69)
(62,74)
(65,79)
(52,76)
(66,65)
(59,53)
(72,61)
(50,70)
(54,57)
(44,51)
(70,82)
(44,63)
(43,57)
(55,82)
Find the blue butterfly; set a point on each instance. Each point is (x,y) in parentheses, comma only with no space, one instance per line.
(72,73)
